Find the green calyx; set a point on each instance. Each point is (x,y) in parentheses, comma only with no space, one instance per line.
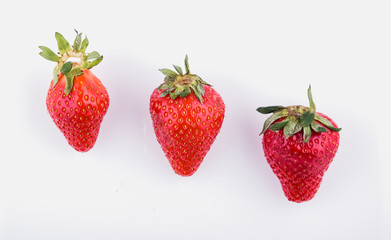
(66,51)
(296,118)
(181,84)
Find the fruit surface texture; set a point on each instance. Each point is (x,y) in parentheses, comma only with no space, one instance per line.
(79,114)
(76,100)
(299,145)
(187,122)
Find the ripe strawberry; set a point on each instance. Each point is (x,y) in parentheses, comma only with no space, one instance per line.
(77,101)
(187,115)
(299,145)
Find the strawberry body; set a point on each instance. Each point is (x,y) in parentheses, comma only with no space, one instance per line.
(299,145)
(79,114)
(76,100)
(187,114)
(300,166)
(185,128)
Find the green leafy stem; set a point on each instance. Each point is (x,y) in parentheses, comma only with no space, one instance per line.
(181,84)
(66,51)
(296,118)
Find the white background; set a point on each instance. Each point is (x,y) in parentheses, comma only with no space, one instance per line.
(254,53)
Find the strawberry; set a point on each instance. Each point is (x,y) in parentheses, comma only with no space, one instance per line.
(299,145)
(76,100)
(187,115)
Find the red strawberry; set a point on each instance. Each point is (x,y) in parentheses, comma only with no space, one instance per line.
(299,145)
(77,101)
(187,115)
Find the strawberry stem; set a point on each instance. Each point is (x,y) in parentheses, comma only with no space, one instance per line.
(179,84)
(68,68)
(295,119)
(312,104)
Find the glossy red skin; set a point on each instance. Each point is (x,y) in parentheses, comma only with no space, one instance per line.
(185,128)
(300,166)
(79,114)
